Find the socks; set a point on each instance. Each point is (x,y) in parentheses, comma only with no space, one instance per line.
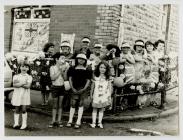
(71,114)
(80,114)
(16,119)
(24,120)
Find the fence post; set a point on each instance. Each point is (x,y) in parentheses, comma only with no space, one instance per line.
(114,101)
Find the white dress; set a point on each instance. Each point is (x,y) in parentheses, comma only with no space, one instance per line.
(102,93)
(21,96)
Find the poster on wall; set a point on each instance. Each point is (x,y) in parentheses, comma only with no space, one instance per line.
(29,37)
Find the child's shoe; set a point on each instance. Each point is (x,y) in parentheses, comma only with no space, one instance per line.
(60,124)
(23,127)
(77,126)
(92,125)
(100,125)
(141,106)
(68,124)
(16,126)
(52,124)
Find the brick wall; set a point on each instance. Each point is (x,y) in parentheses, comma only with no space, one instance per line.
(72,19)
(141,22)
(103,23)
(107,24)
(173,34)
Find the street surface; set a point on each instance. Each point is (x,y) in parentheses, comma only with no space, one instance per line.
(37,126)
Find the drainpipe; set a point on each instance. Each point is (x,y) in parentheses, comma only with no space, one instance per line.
(121,26)
(167,28)
(11,29)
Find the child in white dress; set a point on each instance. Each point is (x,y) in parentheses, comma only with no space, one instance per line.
(100,92)
(21,95)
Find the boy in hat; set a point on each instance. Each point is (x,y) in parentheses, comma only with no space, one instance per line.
(86,41)
(85,44)
(95,58)
(65,48)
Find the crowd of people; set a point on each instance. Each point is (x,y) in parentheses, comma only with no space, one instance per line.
(98,69)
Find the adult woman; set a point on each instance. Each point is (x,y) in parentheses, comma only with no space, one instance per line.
(129,61)
(140,59)
(45,80)
(151,58)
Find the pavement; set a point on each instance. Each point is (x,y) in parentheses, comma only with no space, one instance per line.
(147,112)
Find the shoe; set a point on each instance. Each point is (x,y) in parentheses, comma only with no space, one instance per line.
(100,125)
(43,104)
(68,124)
(60,124)
(16,126)
(92,125)
(140,106)
(77,126)
(23,127)
(52,124)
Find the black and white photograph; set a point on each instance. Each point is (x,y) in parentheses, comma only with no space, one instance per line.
(91,70)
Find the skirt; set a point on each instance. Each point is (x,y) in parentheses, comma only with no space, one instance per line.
(21,97)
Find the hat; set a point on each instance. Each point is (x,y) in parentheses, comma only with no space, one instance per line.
(110,46)
(83,56)
(98,45)
(65,44)
(86,39)
(124,45)
(139,43)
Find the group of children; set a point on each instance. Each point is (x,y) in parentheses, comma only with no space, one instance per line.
(91,71)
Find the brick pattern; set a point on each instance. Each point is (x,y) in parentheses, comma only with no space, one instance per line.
(173,35)
(78,19)
(101,23)
(107,24)
(141,22)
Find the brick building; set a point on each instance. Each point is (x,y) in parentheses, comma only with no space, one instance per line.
(102,23)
